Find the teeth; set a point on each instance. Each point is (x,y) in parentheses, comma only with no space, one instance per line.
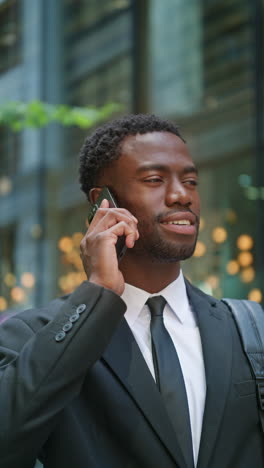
(181,221)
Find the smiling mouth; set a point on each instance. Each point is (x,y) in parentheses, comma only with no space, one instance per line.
(181,222)
(180,226)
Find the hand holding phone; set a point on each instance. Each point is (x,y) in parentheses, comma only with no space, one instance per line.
(110,233)
(106,194)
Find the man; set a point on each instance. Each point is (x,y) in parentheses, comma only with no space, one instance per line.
(82,380)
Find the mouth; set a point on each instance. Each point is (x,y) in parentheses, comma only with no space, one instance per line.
(180,223)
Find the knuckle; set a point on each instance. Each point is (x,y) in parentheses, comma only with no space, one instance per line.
(82,245)
(99,235)
(101,210)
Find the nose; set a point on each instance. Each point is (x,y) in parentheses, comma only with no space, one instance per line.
(177,193)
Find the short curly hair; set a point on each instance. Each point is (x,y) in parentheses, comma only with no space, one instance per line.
(104,145)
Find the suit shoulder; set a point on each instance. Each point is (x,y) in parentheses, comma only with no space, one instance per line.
(217,304)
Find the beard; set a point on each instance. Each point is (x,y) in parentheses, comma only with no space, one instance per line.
(159,250)
(152,244)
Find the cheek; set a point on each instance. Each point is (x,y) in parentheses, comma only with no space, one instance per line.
(144,216)
(138,204)
(142,205)
(140,213)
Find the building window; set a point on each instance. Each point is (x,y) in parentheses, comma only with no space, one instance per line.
(99,58)
(109,83)
(81,14)
(227,46)
(10,34)
(9,150)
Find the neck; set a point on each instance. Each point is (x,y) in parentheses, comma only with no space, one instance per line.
(148,275)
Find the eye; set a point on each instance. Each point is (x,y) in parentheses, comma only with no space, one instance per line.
(193,182)
(153,180)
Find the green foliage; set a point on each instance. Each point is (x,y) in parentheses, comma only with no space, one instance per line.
(36,114)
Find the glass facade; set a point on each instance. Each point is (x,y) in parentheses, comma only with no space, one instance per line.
(98,66)
(198,63)
(203,77)
(98,61)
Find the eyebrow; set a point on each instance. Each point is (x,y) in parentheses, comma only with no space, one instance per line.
(161,167)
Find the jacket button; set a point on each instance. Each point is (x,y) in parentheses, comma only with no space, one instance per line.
(81,308)
(60,336)
(67,326)
(73,318)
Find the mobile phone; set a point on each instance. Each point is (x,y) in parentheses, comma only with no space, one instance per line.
(106,194)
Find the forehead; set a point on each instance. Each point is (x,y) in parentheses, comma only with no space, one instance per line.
(163,147)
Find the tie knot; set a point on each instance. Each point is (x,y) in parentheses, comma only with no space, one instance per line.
(156,305)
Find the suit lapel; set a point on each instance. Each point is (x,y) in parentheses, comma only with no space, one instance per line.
(125,359)
(217,350)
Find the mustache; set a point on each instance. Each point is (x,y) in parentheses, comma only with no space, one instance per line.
(161,216)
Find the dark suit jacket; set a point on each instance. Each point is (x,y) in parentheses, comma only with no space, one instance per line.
(85,397)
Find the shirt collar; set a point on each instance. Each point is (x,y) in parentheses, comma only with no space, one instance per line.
(175,295)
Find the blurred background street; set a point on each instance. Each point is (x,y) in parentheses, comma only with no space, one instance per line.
(196,62)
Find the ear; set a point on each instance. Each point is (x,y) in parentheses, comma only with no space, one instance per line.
(94,194)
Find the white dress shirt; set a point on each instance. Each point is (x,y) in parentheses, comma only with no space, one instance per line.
(180,321)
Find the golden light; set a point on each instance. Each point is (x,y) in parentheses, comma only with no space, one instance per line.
(245,259)
(83,276)
(71,256)
(5,185)
(255,295)
(200,249)
(78,264)
(248,275)
(232,267)
(77,238)
(213,281)
(65,260)
(219,235)
(10,280)
(231,217)
(245,242)
(202,223)
(28,280)
(3,303)
(65,244)
(17,294)
(63,283)
(70,281)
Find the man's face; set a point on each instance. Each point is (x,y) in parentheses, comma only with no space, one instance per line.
(156,180)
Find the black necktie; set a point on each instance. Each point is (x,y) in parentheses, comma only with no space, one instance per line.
(169,377)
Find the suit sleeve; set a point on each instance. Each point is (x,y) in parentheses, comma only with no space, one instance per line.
(44,356)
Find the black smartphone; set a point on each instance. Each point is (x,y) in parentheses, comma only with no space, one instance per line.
(106,194)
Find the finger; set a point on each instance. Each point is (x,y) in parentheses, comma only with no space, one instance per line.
(104,203)
(103,211)
(118,211)
(123,229)
(130,240)
(110,217)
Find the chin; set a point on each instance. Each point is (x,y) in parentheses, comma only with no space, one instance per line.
(164,252)
(172,257)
